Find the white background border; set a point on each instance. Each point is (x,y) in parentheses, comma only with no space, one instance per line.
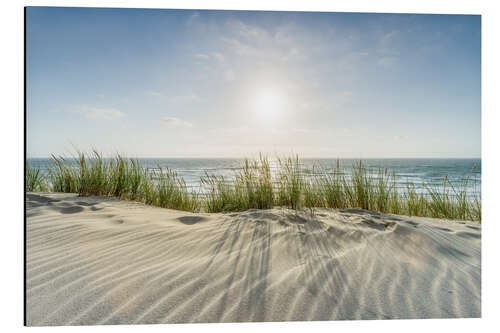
(11,172)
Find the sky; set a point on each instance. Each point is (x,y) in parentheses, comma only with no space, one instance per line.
(188,83)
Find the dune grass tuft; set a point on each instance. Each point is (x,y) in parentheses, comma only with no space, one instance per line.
(290,182)
(35,180)
(252,187)
(119,177)
(256,186)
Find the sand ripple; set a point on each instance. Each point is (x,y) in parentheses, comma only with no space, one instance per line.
(104,261)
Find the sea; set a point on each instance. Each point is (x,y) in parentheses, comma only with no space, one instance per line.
(459,173)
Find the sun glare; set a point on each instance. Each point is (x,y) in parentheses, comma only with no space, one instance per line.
(268,104)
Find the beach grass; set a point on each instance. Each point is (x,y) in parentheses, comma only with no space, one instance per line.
(290,182)
(35,180)
(252,187)
(256,186)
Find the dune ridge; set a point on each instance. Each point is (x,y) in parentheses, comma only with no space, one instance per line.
(99,260)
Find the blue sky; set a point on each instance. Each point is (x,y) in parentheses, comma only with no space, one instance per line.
(173,83)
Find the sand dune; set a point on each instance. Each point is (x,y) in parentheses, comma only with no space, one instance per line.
(105,261)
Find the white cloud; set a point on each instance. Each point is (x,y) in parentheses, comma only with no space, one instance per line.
(186,98)
(280,46)
(201,56)
(154,93)
(192,18)
(238,47)
(304,130)
(400,137)
(389,37)
(217,56)
(210,56)
(231,132)
(246,131)
(99,113)
(176,122)
(247,30)
(387,61)
(229,75)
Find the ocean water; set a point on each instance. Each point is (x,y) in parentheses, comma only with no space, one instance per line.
(416,171)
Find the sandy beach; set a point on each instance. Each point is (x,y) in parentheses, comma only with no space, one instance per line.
(99,260)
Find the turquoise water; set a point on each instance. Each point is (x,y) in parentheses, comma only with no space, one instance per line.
(429,171)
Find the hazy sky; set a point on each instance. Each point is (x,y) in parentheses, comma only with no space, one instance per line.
(170,83)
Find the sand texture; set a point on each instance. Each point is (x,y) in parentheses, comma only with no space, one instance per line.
(104,261)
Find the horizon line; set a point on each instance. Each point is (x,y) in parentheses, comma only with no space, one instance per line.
(243,157)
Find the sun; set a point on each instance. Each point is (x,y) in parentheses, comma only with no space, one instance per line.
(268,104)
